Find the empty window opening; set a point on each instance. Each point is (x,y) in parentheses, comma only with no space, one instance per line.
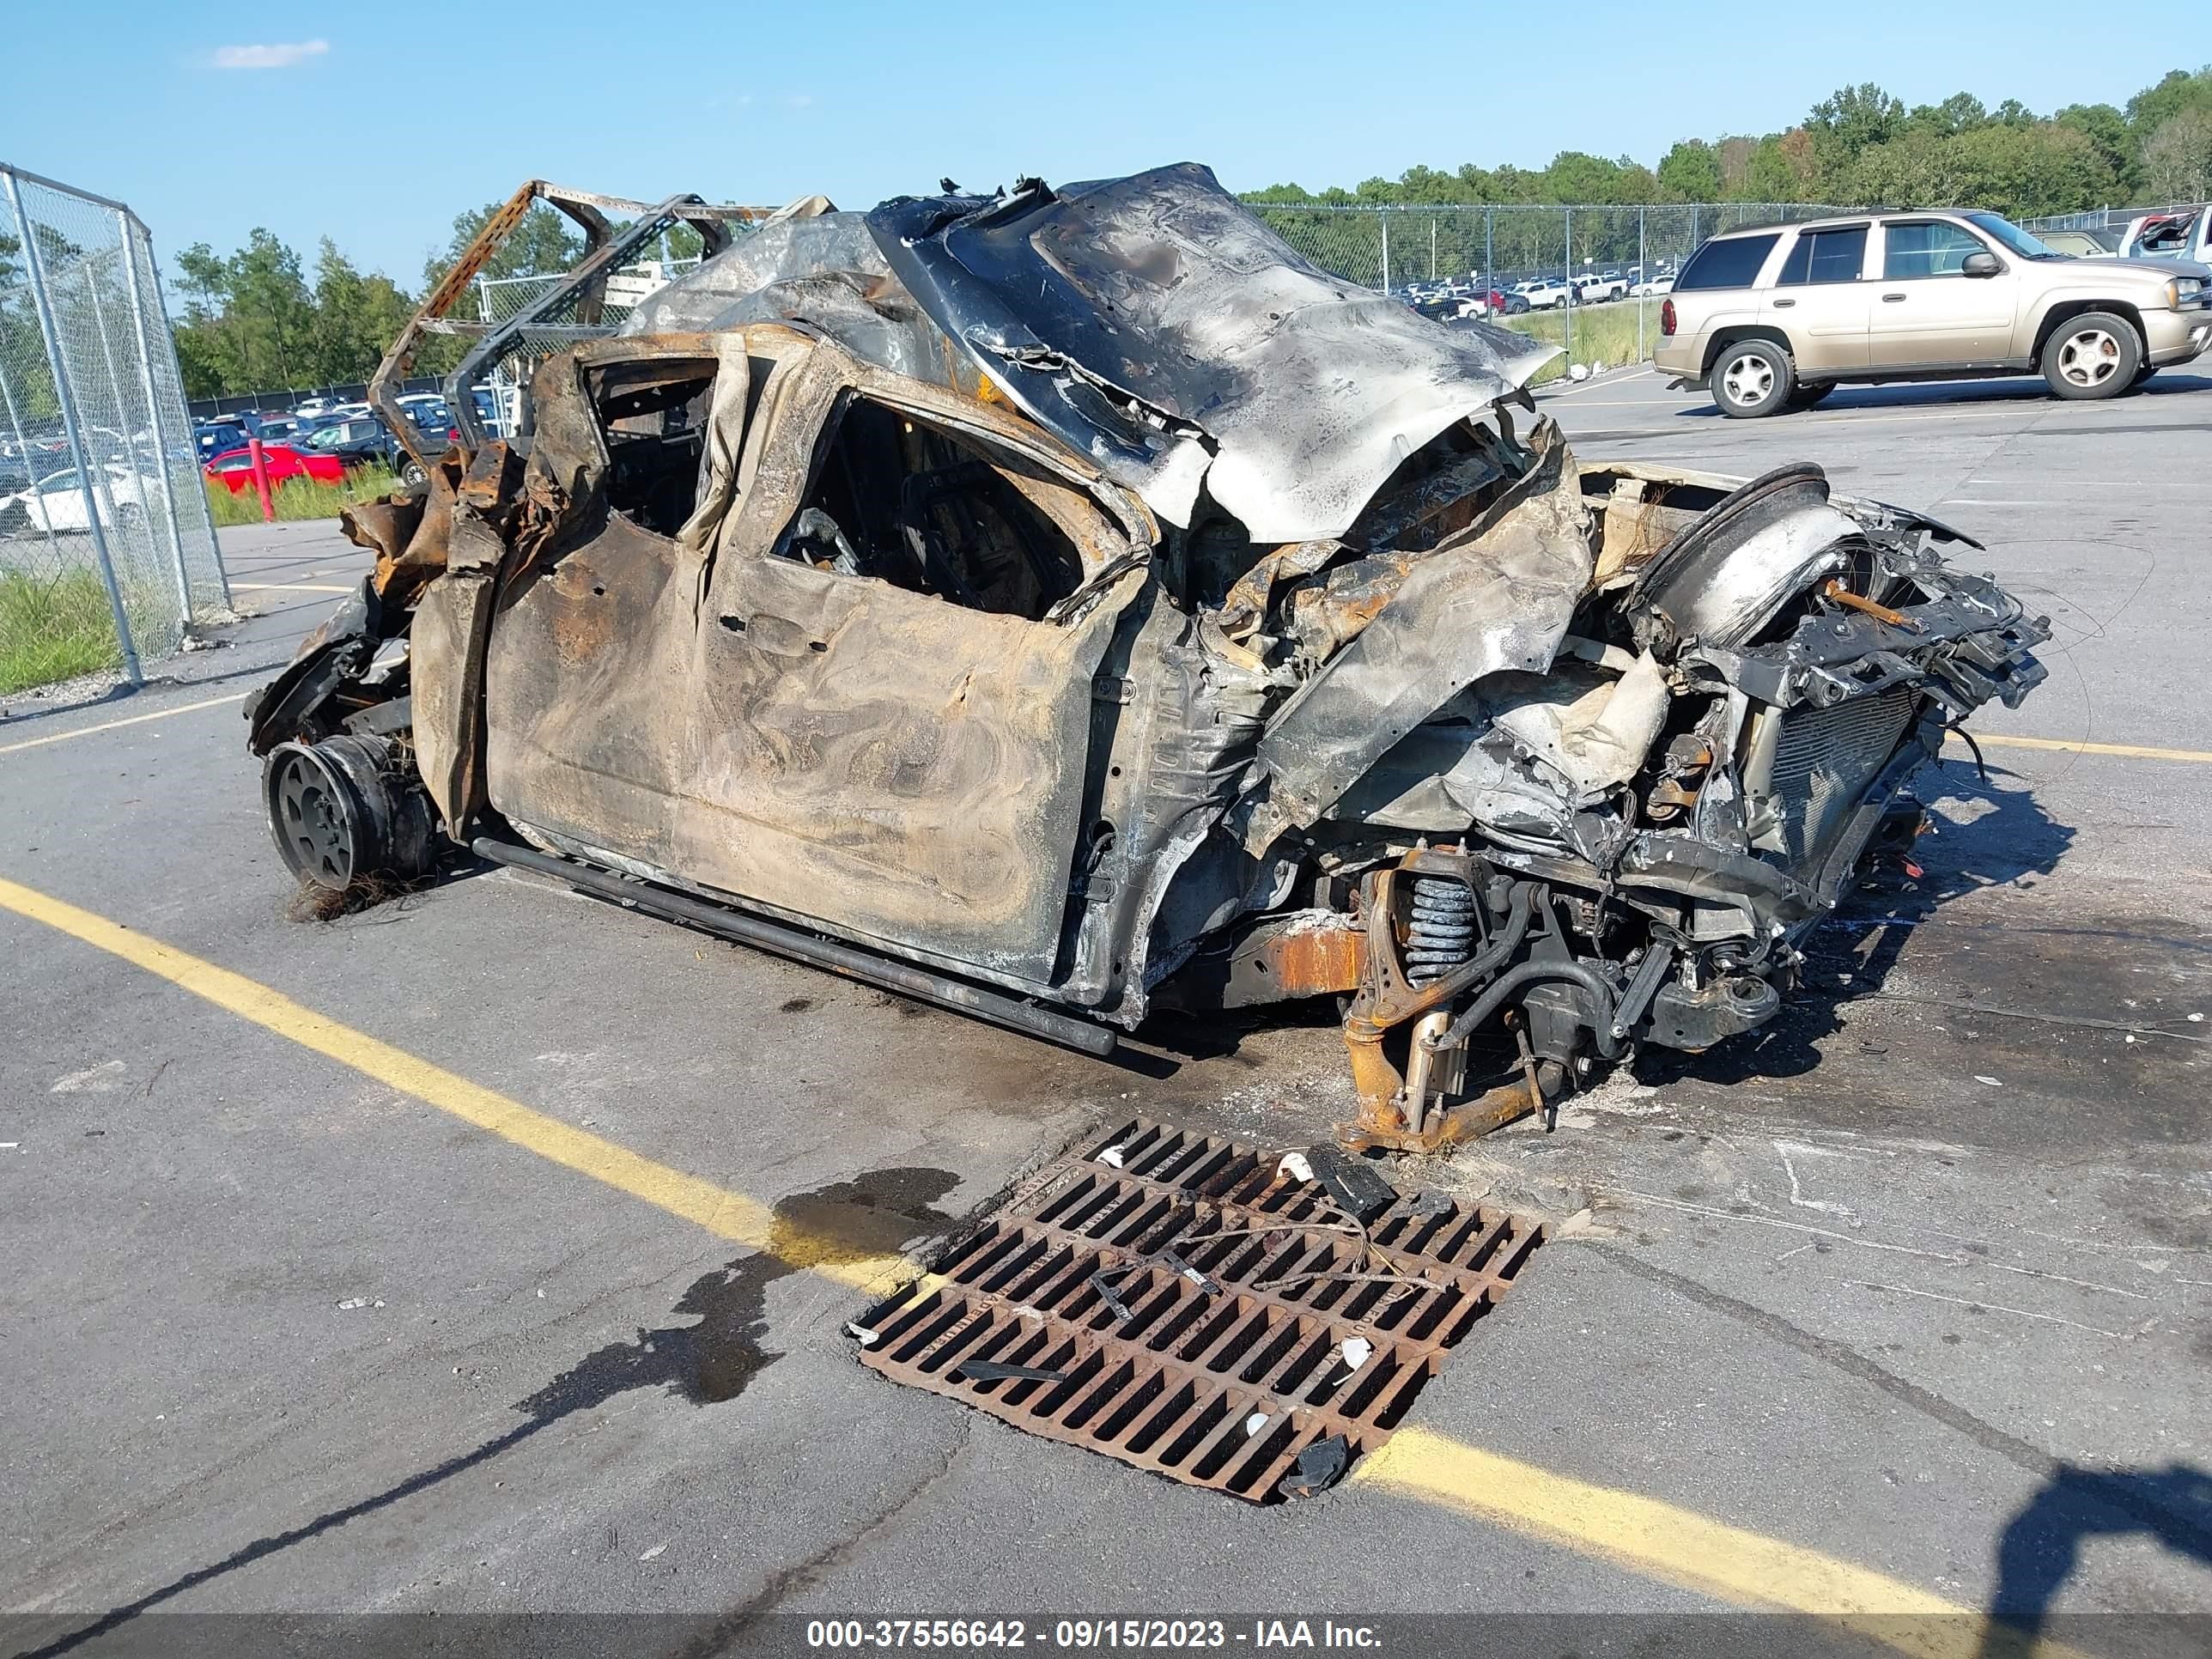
(898,501)
(653,414)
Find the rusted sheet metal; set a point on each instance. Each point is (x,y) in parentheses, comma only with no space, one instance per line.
(1196,1310)
(1320,958)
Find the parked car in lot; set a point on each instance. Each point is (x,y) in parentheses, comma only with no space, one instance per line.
(1592,290)
(1652,288)
(2080,244)
(283,428)
(211,438)
(1545,293)
(2185,236)
(1775,316)
(56,501)
(879,637)
(365,439)
(233,469)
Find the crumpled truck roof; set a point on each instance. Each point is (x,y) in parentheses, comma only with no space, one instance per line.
(1156,325)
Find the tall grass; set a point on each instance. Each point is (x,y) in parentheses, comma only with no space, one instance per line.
(53,628)
(301,498)
(1603,334)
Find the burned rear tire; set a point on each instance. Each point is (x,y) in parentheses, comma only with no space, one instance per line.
(347,811)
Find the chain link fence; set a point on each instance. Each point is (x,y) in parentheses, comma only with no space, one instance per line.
(107,551)
(1447,260)
(500,298)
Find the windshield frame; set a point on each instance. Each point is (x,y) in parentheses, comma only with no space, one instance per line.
(2011,236)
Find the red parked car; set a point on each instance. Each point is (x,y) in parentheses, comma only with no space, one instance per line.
(235,467)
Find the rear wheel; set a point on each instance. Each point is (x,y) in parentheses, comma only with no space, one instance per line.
(2095,355)
(1752,377)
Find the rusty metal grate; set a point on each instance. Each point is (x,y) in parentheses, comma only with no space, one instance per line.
(1171,1298)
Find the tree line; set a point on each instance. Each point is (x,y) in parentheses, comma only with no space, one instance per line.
(257,319)
(1862,147)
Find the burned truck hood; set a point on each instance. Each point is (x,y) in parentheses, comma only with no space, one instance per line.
(1156,325)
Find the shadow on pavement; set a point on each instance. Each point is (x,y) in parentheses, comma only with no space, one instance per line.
(1935,394)
(1853,954)
(2041,1546)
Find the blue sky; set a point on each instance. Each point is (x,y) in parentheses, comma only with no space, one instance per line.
(374,125)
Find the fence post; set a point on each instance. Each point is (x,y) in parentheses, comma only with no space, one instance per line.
(34,266)
(1384,216)
(259,456)
(1643,276)
(1489,248)
(154,422)
(1432,247)
(1569,328)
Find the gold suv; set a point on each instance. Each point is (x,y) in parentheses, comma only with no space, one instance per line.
(1777,317)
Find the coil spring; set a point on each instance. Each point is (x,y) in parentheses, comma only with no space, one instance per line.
(1440,934)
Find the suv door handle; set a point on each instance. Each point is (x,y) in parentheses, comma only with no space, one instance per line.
(1783,304)
(1891,299)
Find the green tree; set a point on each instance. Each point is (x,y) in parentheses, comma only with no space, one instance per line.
(2118,147)
(1854,118)
(1690,171)
(2177,159)
(356,317)
(2155,106)
(1961,112)
(249,318)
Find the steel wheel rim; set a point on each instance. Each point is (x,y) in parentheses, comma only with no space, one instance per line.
(312,820)
(2089,358)
(1749,379)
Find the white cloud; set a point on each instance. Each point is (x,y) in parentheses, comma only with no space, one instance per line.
(281,56)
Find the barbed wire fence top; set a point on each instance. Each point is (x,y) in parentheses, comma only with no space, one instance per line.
(108,554)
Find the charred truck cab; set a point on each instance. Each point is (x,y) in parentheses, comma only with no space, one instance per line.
(1062,604)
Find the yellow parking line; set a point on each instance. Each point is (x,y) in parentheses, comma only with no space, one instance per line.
(1663,1540)
(2067,746)
(1644,1534)
(130,719)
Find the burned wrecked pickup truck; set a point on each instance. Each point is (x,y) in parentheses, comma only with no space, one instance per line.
(1061,605)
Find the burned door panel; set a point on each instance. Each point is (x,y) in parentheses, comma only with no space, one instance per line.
(891,764)
(583,692)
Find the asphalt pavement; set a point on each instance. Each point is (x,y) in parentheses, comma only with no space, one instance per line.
(489,1253)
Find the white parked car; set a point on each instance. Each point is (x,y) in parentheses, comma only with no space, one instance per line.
(1545,295)
(2186,235)
(1653,289)
(56,502)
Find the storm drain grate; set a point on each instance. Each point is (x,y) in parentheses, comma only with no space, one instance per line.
(1181,1303)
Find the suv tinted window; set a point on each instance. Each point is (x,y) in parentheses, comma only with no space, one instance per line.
(1929,248)
(1826,256)
(1733,263)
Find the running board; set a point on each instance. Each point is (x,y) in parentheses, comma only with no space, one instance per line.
(994,1007)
